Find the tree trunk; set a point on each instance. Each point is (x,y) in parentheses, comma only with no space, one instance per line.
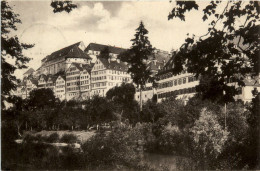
(18,131)
(141,101)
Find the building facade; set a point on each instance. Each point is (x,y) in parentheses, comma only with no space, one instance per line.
(108,73)
(60,87)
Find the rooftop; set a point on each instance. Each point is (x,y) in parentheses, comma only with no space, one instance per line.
(100,47)
(114,65)
(69,51)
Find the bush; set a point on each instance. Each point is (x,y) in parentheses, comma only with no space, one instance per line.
(69,138)
(53,138)
(209,139)
(114,150)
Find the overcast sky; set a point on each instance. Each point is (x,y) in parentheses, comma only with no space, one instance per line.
(111,23)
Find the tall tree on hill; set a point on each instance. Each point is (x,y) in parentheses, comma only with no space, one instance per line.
(230,47)
(104,53)
(11,50)
(139,52)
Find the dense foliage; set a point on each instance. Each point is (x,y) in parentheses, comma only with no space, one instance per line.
(12,57)
(230,48)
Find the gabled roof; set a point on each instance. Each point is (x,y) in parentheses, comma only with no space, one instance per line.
(44,77)
(155,65)
(100,47)
(114,65)
(34,81)
(29,71)
(81,67)
(67,52)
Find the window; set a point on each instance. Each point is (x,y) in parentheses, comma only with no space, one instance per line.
(180,81)
(184,80)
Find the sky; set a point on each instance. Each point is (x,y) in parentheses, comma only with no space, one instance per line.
(110,23)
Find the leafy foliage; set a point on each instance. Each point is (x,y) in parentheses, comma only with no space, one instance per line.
(139,52)
(209,138)
(11,49)
(229,49)
(104,53)
(42,98)
(60,6)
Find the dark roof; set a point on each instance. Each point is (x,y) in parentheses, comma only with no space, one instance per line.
(34,81)
(44,77)
(160,56)
(29,71)
(155,65)
(114,65)
(81,67)
(100,47)
(69,51)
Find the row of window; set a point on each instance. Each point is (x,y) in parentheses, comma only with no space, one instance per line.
(60,82)
(84,77)
(84,82)
(176,82)
(59,91)
(84,87)
(109,71)
(73,88)
(98,84)
(60,86)
(73,78)
(73,83)
(177,92)
(72,73)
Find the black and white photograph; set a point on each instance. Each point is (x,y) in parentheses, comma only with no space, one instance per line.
(130,85)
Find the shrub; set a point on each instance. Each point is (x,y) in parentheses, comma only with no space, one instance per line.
(69,138)
(209,139)
(114,150)
(53,138)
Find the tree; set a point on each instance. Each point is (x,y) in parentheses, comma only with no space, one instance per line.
(209,138)
(229,49)
(139,52)
(11,49)
(59,6)
(104,53)
(123,101)
(42,98)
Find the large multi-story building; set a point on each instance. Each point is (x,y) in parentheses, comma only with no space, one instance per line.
(78,81)
(108,73)
(77,73)
(61,60)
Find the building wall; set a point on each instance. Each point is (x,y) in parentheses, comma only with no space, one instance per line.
(72,83)
(103,79)
(60,88)
(183,84)
(85,84)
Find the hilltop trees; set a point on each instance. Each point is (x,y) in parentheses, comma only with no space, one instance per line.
(104,53)
(230,47)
